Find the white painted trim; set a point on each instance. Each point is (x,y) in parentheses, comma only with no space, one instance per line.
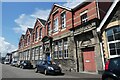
(62,7)
(84,12)
(107,15)
(40,22)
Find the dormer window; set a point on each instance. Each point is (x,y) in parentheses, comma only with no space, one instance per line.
(55,25)
(37,34)
(28,40)
(49,29)
(63,20)
(40,34)
(84,17)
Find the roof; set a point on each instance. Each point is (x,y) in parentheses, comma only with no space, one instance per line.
(42,21)
(30,29)
(81,5)
(62,7)
(107,15)
(56,5)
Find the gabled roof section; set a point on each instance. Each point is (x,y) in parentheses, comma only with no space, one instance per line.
(59,6)
(69,9)
(22,36)
(107,15)
(42,21)
(30,30)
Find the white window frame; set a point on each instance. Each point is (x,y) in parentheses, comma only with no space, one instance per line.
(40,33)
(112,56)
(55,25)
(63,20)
(56,51)
(66,48)
(85,19)
(60,49)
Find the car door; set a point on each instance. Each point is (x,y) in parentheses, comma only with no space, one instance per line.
(43,66)
(118,67)
(38,65)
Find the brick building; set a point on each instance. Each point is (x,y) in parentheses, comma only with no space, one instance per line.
(68,37)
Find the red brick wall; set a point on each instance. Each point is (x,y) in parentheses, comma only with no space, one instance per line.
(92,13)
(58,15)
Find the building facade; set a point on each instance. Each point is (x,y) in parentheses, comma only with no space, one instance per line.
(109,30)
(15,55)
(68,37)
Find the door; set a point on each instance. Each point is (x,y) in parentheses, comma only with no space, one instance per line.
(89,60)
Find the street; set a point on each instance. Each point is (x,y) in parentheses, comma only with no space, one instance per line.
(14,72)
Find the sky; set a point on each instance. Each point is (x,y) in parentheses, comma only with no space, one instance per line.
(18,16)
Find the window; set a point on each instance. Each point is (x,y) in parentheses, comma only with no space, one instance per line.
(36,53)
(40,53)
(40,34)
(60,49)
(37,34)
(84,17)
(114,40)
(33,37)
(33,53)
(63,20)
(55,25)
(56,50)
(65,48)
(49,29)
(28,40)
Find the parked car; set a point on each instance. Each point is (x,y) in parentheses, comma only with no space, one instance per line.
(2,61)
(47,67)
(6,62)
(18,63)
(13,63)
(26,64)
(112,69)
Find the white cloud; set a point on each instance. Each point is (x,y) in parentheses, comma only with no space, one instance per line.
(28,20)
(43,14)
(6,47)
(72,4)
(24,21)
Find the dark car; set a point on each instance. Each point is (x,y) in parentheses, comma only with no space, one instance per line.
(112,69)
(47,67)
(26,64)
(18,63)
(13,63)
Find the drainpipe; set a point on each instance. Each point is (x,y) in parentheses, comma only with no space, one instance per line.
(97,8)
(77,61)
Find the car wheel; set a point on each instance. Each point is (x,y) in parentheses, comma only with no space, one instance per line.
(36,70)
(109,78)
(45,72)
(22,67)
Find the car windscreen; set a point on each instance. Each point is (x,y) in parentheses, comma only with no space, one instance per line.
(27,62)
(14,61)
